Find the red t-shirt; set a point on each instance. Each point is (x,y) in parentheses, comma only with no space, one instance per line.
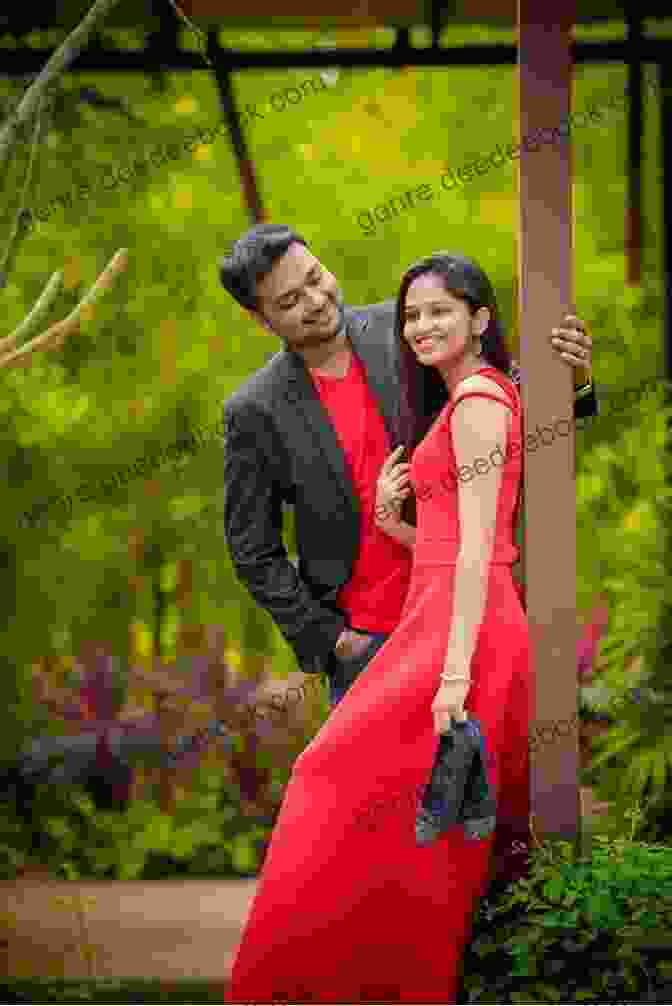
(373,597)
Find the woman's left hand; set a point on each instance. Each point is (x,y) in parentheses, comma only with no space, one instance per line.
(448,703)
(574,344)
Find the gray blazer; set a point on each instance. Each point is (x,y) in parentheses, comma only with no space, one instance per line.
(281,448)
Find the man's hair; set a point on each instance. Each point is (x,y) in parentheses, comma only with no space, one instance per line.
(252,257)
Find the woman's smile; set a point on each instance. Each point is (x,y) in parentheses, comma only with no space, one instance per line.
(425,343)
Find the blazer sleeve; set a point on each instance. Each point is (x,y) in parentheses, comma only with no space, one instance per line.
(585,399)
(253,531)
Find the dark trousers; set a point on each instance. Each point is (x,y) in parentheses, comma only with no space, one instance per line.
(349,670)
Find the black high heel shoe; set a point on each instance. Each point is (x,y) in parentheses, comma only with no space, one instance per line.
(459,791)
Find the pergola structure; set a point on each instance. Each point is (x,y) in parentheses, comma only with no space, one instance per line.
(544,55)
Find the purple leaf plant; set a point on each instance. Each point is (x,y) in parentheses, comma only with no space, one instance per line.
(105,738)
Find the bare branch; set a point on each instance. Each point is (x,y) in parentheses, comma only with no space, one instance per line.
(34,320)
(201,35)
(5,168)
(17,234)
(56,65)
(60,330)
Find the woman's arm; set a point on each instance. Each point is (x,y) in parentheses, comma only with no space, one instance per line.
(389,521)
(478,425)
(392,488)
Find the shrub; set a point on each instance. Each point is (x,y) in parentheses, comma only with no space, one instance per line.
(624,521)
(207,835)
(576,928)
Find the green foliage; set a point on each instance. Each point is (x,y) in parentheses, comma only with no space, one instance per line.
(15,846)
(576,929)
(625,504)
(623,521)
(206,836)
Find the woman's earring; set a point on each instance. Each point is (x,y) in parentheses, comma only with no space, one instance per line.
(479,347)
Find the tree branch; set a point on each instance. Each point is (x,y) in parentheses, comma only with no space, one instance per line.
(17,234)
(56,65)
(5,167)
(39,312)
(60,330)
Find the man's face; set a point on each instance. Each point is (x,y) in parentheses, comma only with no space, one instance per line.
(300,300)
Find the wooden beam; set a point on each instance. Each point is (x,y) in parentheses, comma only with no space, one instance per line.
(24,61)
(550,502)
(367,12)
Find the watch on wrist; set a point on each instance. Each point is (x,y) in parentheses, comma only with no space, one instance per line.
(583,389)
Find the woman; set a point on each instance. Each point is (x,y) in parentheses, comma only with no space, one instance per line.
(349,908)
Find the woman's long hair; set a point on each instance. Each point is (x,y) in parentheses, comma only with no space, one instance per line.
(423,392)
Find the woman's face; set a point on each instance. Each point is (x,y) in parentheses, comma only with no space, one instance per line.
(439,327)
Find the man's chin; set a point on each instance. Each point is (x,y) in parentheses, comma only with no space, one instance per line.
(320,338)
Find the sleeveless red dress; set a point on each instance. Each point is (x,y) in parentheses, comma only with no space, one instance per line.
(349,909)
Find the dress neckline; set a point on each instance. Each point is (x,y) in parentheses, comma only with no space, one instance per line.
(487,367)
(479,371)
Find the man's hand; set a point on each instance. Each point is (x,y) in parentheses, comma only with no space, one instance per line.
(574,345)
(351,644)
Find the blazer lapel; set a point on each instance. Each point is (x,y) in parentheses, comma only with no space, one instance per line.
(379,361)
(301,394)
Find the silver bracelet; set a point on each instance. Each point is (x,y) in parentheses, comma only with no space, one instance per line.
(454,677)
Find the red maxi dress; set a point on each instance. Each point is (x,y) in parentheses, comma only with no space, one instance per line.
(348,908)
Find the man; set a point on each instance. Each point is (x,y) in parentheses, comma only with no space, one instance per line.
(312,429)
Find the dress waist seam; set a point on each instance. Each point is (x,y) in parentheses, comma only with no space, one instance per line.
(453,562)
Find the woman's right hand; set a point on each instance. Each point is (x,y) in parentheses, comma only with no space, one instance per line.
(393,485)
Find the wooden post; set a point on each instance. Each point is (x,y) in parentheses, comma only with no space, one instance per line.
(550,502)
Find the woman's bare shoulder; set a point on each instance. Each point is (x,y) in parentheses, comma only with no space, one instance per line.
(480,383)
